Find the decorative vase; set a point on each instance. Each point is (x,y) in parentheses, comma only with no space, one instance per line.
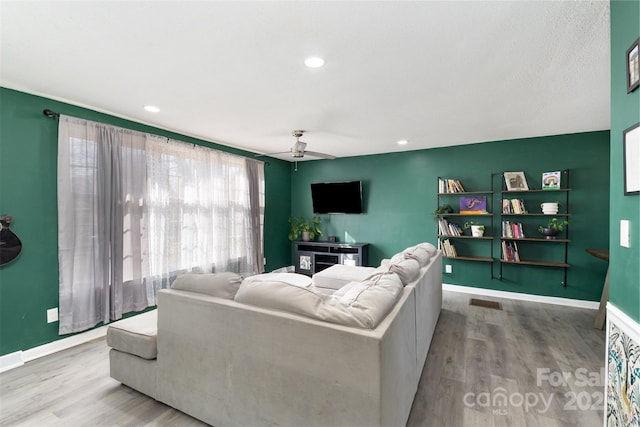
(477,230)
(550,233)
(550,208)
(305,236)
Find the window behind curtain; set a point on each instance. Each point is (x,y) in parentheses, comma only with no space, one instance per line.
(135,210)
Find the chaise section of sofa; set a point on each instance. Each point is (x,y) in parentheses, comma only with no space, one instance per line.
(262,363)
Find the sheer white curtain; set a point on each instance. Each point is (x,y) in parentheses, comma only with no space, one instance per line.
(135,210)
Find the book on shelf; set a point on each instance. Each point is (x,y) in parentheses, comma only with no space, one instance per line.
(512,230)
(450,186)
(447,248)
(510,251)
(513,206)
(449,229)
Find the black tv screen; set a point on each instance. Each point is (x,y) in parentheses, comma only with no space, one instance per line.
(337,197)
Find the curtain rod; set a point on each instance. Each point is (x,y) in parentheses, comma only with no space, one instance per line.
(51,114)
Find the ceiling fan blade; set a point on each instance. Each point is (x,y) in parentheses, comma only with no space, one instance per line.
(320,155)
(272,154)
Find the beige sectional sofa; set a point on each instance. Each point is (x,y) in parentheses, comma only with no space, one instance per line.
(254,360)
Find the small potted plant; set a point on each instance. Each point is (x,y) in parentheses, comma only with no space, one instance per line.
(308,230)
(477,230)
(553,228)
(442,210)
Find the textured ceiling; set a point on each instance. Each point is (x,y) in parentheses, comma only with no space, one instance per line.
(435,73)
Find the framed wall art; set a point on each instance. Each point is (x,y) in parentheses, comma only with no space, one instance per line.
(631,159)
(633,67)
(515,181)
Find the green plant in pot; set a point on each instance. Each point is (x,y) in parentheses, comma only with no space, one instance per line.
(553,228)
(477,229)
(307,230)
(442,210)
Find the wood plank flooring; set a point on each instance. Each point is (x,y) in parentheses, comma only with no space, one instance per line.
(485,368)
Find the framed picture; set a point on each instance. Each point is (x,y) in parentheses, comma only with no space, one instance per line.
(632,160)
(551,180)
(633,67)
(473,205)
(515,181)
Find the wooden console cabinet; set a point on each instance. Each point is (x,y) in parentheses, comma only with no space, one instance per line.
(312,257)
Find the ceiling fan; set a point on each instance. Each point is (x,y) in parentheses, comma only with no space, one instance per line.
(298,150)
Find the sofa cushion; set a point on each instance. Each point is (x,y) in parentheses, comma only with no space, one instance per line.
(408,269)
(135,335)
(361,304)
(338,275)
(294,279)
(222,285)
(420,253)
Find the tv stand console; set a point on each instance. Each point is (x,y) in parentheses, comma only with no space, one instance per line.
(312,257)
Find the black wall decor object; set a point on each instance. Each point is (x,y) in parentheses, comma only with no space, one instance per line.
(10,245)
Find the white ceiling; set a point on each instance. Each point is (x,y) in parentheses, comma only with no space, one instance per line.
(435,73)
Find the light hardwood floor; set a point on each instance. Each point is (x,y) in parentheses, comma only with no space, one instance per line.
(478,356)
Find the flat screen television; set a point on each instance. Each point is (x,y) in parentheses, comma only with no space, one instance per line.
(337,197)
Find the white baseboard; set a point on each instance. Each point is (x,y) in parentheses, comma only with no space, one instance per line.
(19,358)
(625,323)
(592,305)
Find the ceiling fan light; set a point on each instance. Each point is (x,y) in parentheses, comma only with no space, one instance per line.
(314,62)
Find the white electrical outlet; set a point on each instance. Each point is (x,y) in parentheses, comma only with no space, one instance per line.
(448,269)
(52,315)
(624,233)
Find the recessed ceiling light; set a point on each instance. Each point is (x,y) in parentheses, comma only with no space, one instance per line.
(403,142)
(314,62)
(152,109)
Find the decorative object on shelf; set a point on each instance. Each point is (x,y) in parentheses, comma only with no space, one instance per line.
(515,181)
(632,159)
(633,67)
(473,205)
(442,209)
(551,180)
(553,228)
(549,208)
(308,230)
(10,244)
(477,230)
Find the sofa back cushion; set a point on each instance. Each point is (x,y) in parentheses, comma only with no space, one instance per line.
(363,304)
(221,285)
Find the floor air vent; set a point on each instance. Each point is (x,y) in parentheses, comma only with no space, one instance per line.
(485,304)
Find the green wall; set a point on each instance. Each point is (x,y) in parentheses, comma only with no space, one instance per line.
(400,196)
(624,276)
(28,151)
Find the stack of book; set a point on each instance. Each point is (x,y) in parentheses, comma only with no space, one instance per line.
(447,248)
(513,206)
(512,230)
(450,186)
(510,251)
(446,229)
